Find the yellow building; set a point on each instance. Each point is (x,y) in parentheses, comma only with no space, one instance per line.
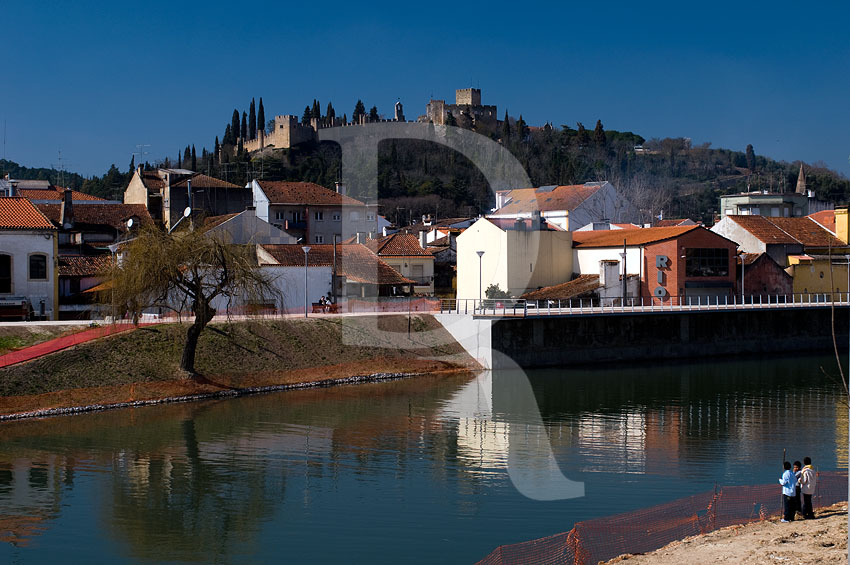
(518,256)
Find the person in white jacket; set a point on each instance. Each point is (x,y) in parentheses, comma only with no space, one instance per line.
(808,482)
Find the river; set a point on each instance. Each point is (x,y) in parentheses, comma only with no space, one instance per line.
(405,471)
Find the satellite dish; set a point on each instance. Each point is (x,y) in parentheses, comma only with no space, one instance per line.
(130,223)
(187,211)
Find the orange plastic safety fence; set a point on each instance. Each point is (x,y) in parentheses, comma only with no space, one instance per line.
(648,529)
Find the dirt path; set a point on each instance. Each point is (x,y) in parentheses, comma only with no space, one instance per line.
(806,542)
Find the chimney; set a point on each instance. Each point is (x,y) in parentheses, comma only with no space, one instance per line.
(422,237)
(66,210)
(340,188)
(535,220)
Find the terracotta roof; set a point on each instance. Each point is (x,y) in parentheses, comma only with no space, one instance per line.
(786,231)
(83,266)
(579,286)
(826,218)
(397,245)
(214,221)
(671,223)
(280,192)
(615,238)
(627,226)
(526,200)
(354,261)
(18,213)
(506,224)
(203,181)
(54,193)
(152,181)
(113,215)
(749,258)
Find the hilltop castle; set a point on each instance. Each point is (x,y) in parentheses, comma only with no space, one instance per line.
(467,106)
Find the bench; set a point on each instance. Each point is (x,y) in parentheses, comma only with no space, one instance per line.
(326,308)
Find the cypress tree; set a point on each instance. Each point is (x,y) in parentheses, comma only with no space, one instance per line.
(506,127)
(330,114)
(227,136)
(216,148)
(751,158)
(345,119)
(244,131)
(132,163)
(187,157)
(373,114)
(261,116)
(305,119)
(599,134)
(359,110)
(582,136)
(317,110)
(194,159)
(234,127)
(252,121)
(521,129)
(179,160)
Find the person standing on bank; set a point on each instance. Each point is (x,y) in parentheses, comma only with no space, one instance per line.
(788,482)
(798,471)
(808,481)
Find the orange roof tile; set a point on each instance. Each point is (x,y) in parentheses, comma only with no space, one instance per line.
(114,215)
(615,238)
(18,213)
(670,223)
(354,261)
(826,218)
(787,231)
(54,193)
(280,192)
(203,181)
(397,245)
(583,284)
(83,266)
(526,200)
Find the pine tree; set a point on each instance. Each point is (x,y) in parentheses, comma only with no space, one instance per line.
(234,127)
(373,114)
(506,127)
(244,131)
(359,110)
(194,159)
(751,158)
(582,137)
(261,115)
(252,121)
(599,134)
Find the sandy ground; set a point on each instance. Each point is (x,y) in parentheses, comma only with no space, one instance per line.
(822,540)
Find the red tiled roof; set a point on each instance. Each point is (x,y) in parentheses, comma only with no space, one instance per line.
(213,221)
(83,266)
(18,213)
(615,238)
(113,215)
(152,181)
(354,261)
(826,218)
(203,181)
(583,284)
(786,231)
(627,226)
(397,245)
(280,192)
(670,223)
(54,193)
(526,200)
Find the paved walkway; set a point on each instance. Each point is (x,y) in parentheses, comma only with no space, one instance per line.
(64,342)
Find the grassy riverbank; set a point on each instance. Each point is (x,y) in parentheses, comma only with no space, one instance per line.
(18,336)
(143,364)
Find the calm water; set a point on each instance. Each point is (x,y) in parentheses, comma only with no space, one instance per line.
(410,471)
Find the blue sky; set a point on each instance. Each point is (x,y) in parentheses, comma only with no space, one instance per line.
(94,79)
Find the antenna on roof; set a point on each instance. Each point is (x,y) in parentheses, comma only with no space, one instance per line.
(141,152)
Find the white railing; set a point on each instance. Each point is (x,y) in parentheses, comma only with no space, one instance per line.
(509,307)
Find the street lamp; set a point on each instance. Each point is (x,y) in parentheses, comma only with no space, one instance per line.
(742,277)
(480,254)
(306,249)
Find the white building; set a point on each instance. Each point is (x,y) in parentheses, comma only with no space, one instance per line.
(28,249)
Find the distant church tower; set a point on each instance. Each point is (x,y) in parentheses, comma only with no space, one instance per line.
(801,182)
(399,112)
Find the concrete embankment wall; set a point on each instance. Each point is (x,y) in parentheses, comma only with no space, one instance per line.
(573,340)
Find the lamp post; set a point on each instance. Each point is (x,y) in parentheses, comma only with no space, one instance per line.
(480,254)
(742,277)
(306,249)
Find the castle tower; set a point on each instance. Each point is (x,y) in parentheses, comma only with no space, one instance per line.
(801,182)
(468,97)
(399,112)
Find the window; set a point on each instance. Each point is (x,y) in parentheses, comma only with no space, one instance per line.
(318,216)
(38,267)
(706,262)
(280,215)
(297,216)
(337,216)
(318,239)
(5,274)
(370,217)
